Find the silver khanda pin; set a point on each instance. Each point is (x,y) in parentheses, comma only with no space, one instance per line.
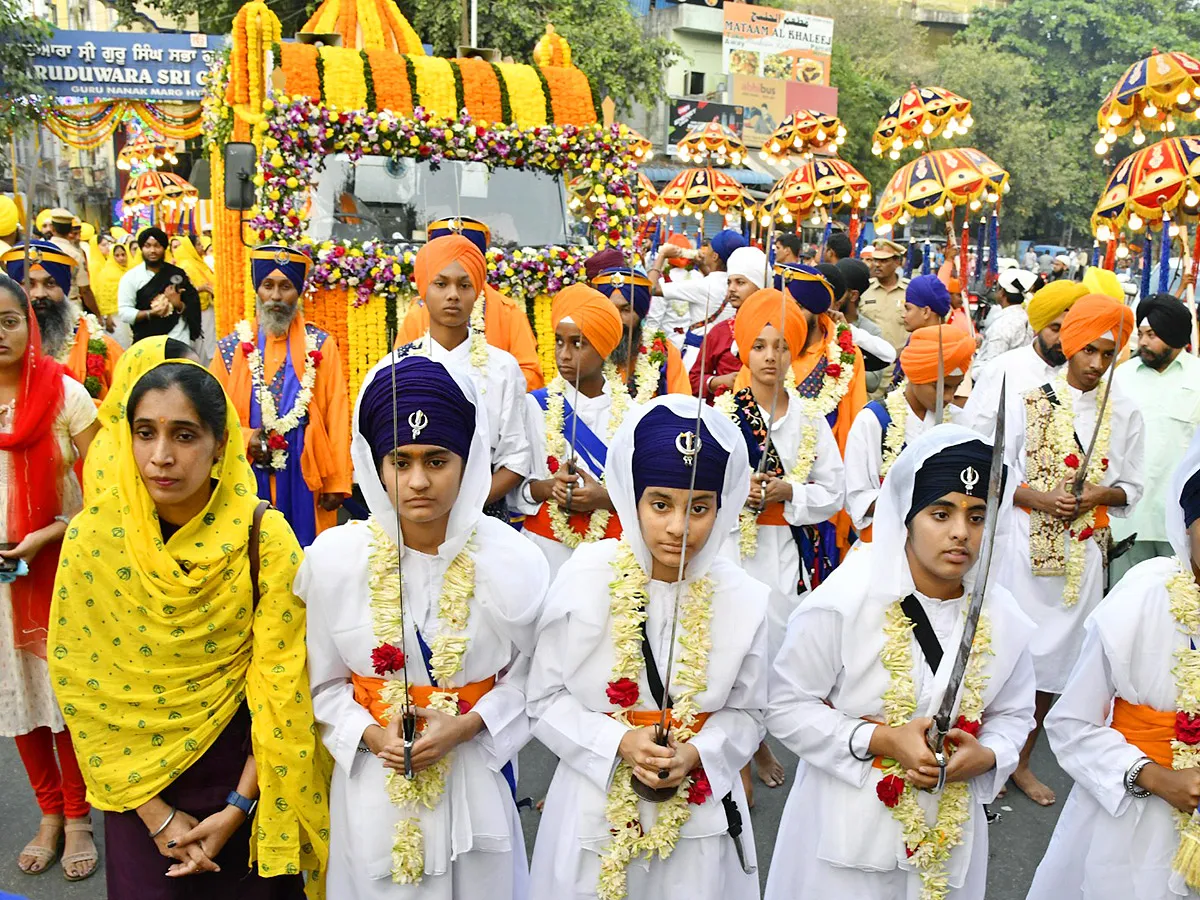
(969,478)
(417,421)
(688,444)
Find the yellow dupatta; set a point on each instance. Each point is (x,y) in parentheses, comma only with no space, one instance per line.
(155,646)
(107,278)
(189,259)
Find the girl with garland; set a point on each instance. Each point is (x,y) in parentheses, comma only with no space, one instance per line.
(885,427)
(587,328)
(1127,729)
(866,662)
(599,678)
(472,591)
(1060,545)
(657,367)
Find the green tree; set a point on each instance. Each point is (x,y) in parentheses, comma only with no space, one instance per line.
(22,92)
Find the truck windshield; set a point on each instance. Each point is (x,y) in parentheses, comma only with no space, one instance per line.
(377,198)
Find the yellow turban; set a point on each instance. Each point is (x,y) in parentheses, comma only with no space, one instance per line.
(42,220)
(1052,301)
(1102,281)
(9,216)
(87,231)
(592,312)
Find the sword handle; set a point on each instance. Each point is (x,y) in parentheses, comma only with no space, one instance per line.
(409,727)
(570,484)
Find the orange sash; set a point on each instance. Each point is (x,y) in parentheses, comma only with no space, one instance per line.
(772,515)
(367,694)
(1102,520)
(1148,729)
(644,718)
(540,524)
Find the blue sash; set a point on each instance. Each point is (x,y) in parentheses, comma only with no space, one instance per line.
(592,450)
(879,409)
(692,339)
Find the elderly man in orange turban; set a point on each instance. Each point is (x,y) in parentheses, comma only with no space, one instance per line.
(1060,535)
(450,273)
(570,423)
(498,316)
(885,427)
(800,483)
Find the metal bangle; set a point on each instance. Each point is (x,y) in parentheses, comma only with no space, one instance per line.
(1131,777)
(163,826)
(850,743)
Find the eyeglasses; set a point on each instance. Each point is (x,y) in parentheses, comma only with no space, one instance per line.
(11,323)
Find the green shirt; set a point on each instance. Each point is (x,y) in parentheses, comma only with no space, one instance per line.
(1170,405)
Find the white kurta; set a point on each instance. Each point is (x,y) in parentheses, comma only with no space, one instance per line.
(1109,845)
(571,670)
(473,841)
(836,839)
(1059,634)
(776,563)
(1022,370)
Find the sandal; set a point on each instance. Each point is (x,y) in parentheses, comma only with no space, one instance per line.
(83,856)
(44,856)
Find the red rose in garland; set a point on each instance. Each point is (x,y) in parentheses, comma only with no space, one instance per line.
(701,789)
(552,464)
(845,340)
(1187,728)
(834,370)
(276,441)
(315,357)
(387,658)
(247,348)
(1071,461)
(889,789)
(623,692)
(1086,533)
(971,728)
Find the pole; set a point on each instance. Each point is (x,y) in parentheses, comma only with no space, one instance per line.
(474,23)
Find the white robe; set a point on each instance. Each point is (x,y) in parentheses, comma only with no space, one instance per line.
(1021,370)
(473,841)
(1109,845)
(571,670)
(1059,634)
(836,839)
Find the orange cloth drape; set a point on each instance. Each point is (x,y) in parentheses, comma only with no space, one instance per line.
(76,364)
(677,376)
(1148,729)
(540,523)
(645,718)
(367,694)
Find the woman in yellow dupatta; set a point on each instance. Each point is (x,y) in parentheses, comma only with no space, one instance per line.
(187,694)
(185,255)
(107,277)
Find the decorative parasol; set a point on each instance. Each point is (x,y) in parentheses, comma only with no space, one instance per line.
(712,143)
(697,191)
(153,187)
(801,133)
(919,116)
(152,153)
(642,149)
(936,183)
(1154,180)
(818,184)
(1146,97)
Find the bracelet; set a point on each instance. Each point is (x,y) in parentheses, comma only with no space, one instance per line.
(1131,777)
(850,743)
(163,826)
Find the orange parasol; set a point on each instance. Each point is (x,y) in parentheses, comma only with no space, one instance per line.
(801,133)
(1147,97)
(936,183)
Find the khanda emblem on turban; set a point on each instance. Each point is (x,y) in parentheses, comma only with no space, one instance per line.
(969,478)
(417,421)
(281,257)
(688,444)
(456,225)
(35,256)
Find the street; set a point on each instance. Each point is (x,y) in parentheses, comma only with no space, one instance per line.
(1017,841)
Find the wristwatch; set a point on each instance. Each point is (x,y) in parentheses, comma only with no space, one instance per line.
(245,804)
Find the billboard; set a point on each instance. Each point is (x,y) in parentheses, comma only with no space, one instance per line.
(688,114)
(766,102)
(101,65)
(760,42)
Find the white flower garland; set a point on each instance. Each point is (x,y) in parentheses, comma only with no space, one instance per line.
(832,389)
(479,350)
(929,846)
(272,422)
(448,650)
(646,371)
(556,447)
(897,430)
(1185,610)
(628,611)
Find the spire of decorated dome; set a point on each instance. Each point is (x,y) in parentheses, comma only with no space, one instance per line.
(366,25)
(552,49)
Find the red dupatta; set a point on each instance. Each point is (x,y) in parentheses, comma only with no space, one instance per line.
(34,498)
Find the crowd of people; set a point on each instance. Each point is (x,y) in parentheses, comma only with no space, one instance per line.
(290,640)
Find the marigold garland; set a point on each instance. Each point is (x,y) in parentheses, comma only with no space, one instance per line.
(300,70)
(506,114)
(481,90)
(343,80)
(526,96)
(435,84)
(393,90)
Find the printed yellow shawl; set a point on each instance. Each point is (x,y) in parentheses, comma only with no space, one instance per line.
(154,647)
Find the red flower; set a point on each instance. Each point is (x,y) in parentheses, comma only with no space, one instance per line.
(909,852)
(845,340)
(464,706)
(387,658)
(622,692)
(970,727)
(552,464)
(1071,461)
(1104,461)
(834,370)
(316,356)
(701,789)
(889,789)
(339,251)
(277,441)
(95,366)
(1187,728)
(247,348)
(1086,533)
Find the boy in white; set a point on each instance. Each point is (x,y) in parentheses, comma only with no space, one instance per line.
(595,684)
(861,670)
(472,592)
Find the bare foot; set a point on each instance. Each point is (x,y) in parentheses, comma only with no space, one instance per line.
(1003,791)
(43,849)
(748,786)
(1032,788)
(770,772)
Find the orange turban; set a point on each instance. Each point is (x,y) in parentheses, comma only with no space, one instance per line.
(919,359)
(1092,317)
(593,313)
(763,308)
(441,252)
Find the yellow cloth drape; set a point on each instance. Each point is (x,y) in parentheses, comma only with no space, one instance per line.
(155,646)
(106,280)
(189,259)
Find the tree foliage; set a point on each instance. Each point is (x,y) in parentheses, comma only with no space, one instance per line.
(22,36)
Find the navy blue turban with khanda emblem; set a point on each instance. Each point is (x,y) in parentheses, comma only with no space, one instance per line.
(664,452)
(806,284)
(625,282)
(271,257)
(430,408)
(42,255)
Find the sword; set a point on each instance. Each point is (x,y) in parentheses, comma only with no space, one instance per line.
(574,426)
(1081,475)
(408,721)
(939,403)
(935,737)
(780,377)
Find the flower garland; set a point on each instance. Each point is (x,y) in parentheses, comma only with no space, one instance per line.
(278,427)
(479,346)
(1184,597)
(557,454)
(897,431)
(647,369)
(448,650)
(628,611)
(928,846)
(836,378)
(1052,457)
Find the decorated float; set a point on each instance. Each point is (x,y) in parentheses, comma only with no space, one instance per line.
(360,145)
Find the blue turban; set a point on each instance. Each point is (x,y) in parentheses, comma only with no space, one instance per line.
(960,468)
(430,408)
(475,231)
(42,255)
(292,263)
(725,242)
(1189,500)
(806,284)
(928,291)
(625,282)
(658,459)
